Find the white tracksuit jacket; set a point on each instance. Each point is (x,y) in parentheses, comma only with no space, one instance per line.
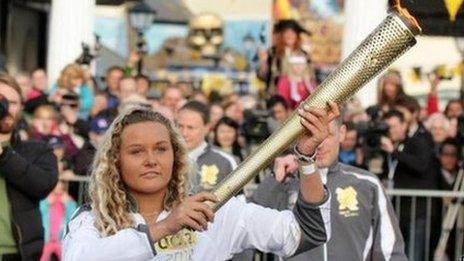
(237,226)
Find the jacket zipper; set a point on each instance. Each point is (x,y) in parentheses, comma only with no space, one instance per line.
(325,252)
(19,237)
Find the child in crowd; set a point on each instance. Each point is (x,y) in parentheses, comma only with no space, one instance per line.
(57,208)
(297,84)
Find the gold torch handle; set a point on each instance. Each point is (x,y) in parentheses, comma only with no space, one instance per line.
(393,37)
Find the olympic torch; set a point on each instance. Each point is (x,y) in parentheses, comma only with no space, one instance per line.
(392,38)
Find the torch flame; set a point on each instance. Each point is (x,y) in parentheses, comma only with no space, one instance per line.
(405,13)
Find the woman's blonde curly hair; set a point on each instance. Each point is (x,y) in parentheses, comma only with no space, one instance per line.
(109,195)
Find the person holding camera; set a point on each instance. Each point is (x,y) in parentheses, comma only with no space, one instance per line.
(28,173)
(69,109)
(407,157)
(73,79)
(409,164)
(410,108)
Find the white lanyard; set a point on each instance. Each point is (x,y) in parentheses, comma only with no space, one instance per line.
(392,164)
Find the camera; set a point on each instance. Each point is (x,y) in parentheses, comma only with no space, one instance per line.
(255,129)
(70,99)
(374,132)
(460,134)
(4,105)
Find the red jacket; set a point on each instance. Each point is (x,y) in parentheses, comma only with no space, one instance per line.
(304,89)
(432,104)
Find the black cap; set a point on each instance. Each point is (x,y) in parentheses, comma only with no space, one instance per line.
(281,25)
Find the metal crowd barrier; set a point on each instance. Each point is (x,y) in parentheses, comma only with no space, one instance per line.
(77,178)
(432,198)
(398,197)
(82,180)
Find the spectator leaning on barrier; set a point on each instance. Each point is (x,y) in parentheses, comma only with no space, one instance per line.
(409,164)
(28,172)
(449,157)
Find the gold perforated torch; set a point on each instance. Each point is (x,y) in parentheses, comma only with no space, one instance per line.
(392,38)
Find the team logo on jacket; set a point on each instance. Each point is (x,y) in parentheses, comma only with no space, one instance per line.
(347,201)
(180,245)
(209,175)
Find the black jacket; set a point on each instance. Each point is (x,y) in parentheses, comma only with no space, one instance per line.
(82,165)
(30,171)
(416,164)
(415,170)
(84,158)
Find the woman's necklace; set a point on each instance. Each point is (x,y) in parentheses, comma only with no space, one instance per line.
(150,218)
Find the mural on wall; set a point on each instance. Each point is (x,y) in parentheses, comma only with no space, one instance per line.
(210,41)
(113,34)
(159,33)
(173,56)
(324,19)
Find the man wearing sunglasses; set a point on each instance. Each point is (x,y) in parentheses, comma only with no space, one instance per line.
(69,110)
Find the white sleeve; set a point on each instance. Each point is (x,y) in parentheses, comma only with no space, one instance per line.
(241,225)
(83,242)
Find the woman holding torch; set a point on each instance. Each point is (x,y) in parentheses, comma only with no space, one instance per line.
(140,210)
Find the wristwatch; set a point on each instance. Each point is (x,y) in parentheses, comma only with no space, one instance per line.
(302,157)
(307,165)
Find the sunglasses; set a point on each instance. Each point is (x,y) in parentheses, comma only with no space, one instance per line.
(72,105)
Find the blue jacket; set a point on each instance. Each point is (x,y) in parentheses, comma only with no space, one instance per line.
(70,207)
(85,99)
